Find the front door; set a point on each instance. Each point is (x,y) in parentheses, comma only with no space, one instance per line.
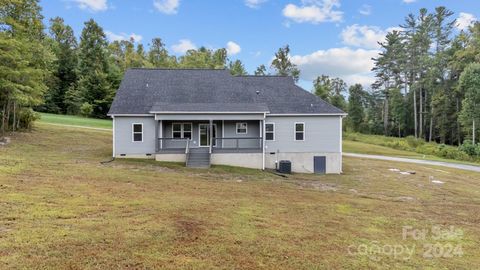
(205,135)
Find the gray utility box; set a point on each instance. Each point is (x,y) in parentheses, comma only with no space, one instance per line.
(285,166)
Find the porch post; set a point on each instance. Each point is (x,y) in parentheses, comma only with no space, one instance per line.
(156,136)
(211,135)
(161,134)
(223,133)
(260,132)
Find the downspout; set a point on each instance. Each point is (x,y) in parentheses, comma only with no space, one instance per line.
(263,141)
(341,144)
(113,136)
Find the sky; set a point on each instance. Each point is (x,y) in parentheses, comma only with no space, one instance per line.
(332,37)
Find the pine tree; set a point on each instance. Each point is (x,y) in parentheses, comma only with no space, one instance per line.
(440,105)
(261,71)
(283,65)
(94,69)
(236,68)
(322,87)
(64,46)
(158,55)
(338,88)
(25,62)
(355,110)
(388,72)
(470,84)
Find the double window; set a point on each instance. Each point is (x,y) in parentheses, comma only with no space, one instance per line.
(137,132)
(299,131)
(182,130)
(269,131)
(242,128)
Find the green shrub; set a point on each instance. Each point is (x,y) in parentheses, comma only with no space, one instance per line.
(414,142)
(26,117)
(86,109)
(469,148)
(466,152)
(427,149)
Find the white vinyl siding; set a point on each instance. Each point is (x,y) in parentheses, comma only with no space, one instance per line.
(322,134)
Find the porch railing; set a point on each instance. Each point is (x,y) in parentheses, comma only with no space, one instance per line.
(173,144)
(238,143)
(233,144)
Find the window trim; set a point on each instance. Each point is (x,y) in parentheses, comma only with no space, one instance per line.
(295,131)
(273,132)
(236,128)
(133,132)
(182,130)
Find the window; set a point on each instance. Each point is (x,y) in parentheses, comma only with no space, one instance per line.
(241,128)
(137,132)
(182,130)
(187,131)
(299,131)
(270,131)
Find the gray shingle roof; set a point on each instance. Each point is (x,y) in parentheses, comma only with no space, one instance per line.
(145,90)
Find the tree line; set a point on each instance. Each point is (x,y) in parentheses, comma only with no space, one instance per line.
(427,82)
(45,68)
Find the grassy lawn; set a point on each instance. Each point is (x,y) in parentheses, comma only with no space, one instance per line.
(62,208)
(372,149)
(74,120)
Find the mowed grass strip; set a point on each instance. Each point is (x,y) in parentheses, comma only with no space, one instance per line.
(372,149)
(75,120)
(62,208)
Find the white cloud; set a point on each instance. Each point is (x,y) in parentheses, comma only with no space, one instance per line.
(465,20)
(254,3)
(364,36)
(409,1)
(352,65)
(123,36)
(314,11)
(93,5)
(183,46)
(365,10)
(167,6)
(233,48)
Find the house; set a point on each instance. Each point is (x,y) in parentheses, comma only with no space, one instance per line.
(204,116)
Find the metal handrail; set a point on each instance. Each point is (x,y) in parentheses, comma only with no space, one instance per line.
(210,146)
(187,147)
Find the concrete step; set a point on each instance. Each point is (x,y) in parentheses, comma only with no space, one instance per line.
(198,158)
(199,150)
